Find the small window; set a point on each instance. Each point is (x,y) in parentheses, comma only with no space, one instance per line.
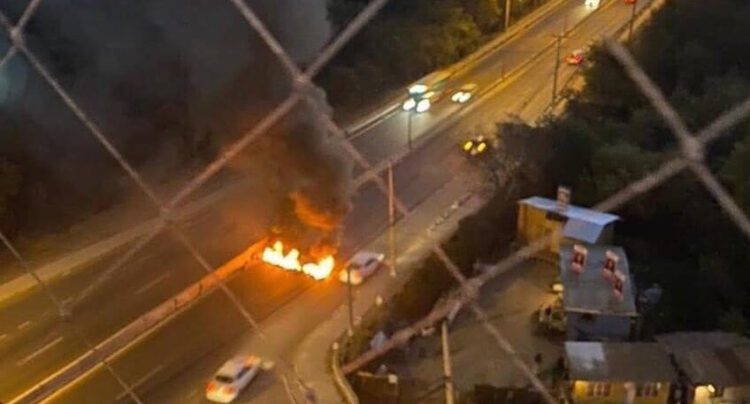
(370,262)
(242,372)
(648,390)
(599,389)
(224,379)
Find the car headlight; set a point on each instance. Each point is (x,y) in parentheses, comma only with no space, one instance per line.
(409,104)
(423,105)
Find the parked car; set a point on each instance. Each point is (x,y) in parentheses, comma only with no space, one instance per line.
(552,317)
(361,266)
(232,377)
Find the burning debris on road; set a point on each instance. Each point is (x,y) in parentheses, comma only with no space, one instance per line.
(290,261)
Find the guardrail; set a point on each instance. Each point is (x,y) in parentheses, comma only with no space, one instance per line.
(137,329)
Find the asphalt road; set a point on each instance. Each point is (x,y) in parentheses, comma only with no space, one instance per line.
(34,344)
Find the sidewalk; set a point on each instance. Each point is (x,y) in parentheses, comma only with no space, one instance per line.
(436,219)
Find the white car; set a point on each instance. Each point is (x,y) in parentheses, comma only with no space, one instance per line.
(233,376)
(362,265)
(464,93)
(592,3)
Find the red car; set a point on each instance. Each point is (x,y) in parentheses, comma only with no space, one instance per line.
(575,58)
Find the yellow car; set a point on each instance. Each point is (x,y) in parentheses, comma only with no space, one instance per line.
(476,146)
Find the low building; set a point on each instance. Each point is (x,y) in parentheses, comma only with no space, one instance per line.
(541,217)
(714,367)
(594,309)
(618,372)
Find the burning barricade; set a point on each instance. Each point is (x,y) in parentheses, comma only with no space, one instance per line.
(290,261)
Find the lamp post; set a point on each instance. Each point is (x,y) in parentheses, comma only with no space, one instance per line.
(408,126)
(350,298)
(632,19)
(507,14)
(447,371)
(557,67)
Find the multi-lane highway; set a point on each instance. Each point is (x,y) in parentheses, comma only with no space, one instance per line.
(34,344)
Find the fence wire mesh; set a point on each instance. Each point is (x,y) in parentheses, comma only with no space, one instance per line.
(691,156)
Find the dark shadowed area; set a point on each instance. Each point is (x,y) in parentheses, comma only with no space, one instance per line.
(170,83)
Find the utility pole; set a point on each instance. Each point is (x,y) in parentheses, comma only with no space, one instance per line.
(447,372)
(557,66)
(391,220)
(632,20)
(408,128)
(507,14)
(350,331)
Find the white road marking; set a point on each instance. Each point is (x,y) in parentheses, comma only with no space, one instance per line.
(66,301)
(24,324)
(152,283)
(2,336)
(191,395)
(140,381)
(40,351)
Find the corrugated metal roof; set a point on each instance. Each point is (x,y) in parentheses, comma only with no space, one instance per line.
(590,291)
(638,362)
(718,358)
(582,230)
(572,212)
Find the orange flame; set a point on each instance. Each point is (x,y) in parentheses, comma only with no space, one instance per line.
(275,256)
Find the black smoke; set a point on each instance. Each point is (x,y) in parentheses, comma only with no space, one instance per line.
(171,83)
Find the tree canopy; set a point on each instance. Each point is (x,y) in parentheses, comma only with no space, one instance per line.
(676,235)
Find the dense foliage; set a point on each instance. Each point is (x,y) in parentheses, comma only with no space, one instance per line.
(677,235)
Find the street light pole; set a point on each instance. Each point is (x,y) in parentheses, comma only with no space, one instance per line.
(632,20)
(557,67)
(350,298)
(507,15)
(408,128)
(391,220)
(447,371)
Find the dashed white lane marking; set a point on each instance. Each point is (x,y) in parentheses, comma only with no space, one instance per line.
(40,351)
(152,283)
(140,381)
(24,324)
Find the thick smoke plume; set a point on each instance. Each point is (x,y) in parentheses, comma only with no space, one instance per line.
(171,82)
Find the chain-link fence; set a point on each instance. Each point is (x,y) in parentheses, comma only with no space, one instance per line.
(690,157)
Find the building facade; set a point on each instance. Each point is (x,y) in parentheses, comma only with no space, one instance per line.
(618,373)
